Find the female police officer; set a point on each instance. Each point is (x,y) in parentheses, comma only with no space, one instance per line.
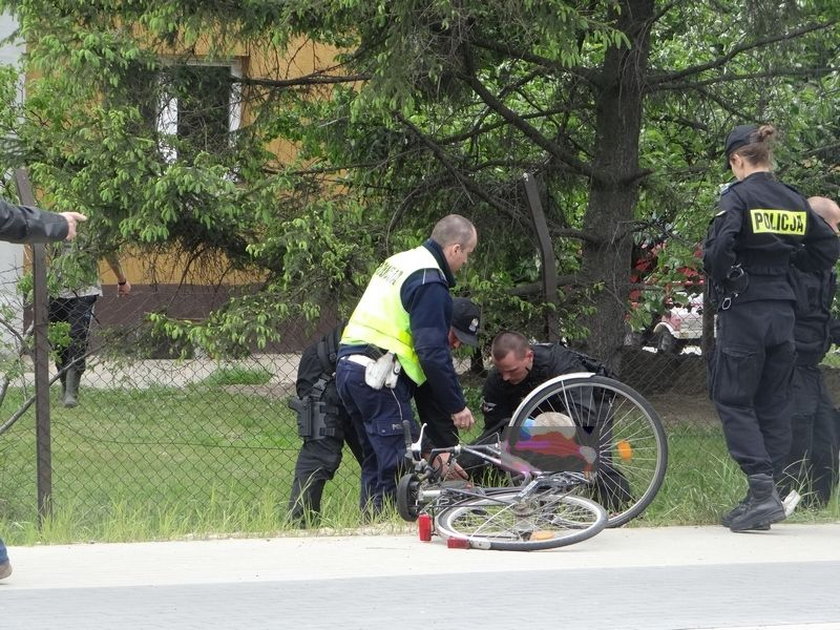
(763,226)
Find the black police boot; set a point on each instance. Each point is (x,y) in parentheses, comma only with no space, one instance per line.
(763,506)
(71,388)
(726,519)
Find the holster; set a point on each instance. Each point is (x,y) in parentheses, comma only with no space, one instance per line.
(315,418)
(736,282)
(305,420)
(383,372)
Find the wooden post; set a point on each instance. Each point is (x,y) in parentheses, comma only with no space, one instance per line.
(549,263)
(43,443)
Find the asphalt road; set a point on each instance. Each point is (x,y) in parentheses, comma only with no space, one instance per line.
(663,578)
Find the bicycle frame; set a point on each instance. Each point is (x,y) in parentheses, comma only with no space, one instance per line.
(433,492)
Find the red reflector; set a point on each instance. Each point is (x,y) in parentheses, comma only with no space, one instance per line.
(424,527)
(458,543)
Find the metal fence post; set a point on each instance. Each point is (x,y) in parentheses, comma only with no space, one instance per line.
(41,360)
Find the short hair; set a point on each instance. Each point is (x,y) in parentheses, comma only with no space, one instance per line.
(509,341)
(453,229)
(759,150)
(827,209)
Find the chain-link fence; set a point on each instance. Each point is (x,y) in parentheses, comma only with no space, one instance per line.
(157,424)
(162,430)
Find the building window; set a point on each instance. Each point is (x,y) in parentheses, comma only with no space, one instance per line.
(199,109)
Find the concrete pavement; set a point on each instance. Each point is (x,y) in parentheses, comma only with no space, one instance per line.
(650,578)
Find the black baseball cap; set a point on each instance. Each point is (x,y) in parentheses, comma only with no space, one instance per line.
(737,138)
(466,320)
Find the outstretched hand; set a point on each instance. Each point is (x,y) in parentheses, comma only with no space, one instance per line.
(463,419)
(73,219)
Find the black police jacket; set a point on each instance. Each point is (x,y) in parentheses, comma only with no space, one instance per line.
(501,398)
(764,226)
(814,296)
(22,224)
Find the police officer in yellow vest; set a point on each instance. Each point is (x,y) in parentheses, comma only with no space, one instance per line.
(762,228)
(398,339)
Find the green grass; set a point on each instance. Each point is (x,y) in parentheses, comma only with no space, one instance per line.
(832,359)
(168,463)
(702,482)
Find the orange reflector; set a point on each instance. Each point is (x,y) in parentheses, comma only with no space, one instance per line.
(542,534)
(458,543)
(625,451)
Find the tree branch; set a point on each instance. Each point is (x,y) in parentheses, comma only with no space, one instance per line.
(730,78)
(721,61)
(516,120)
(315,78)
(469,185)
(586,74)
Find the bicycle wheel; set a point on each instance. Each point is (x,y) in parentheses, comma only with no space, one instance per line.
(632,450)
(408,505)
(501,520)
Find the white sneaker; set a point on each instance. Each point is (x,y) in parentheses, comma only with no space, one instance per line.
(790,502)
(5,569)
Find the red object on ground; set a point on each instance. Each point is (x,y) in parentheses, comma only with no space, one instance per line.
(424,527)
(458,543)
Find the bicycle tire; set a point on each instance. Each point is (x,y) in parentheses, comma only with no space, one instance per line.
(407,497)
(503,521)
(632,446)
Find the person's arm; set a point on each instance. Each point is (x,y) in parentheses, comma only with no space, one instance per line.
(719,248)
(426,305)
(123,285)
(24,224)
(498,402)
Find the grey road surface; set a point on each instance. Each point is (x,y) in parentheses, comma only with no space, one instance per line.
(651,579)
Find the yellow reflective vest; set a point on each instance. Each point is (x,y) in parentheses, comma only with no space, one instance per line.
(380,319)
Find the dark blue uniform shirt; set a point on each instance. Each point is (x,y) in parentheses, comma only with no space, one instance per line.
(425,296)
(765,226)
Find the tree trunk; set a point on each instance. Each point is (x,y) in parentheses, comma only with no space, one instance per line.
(614,186)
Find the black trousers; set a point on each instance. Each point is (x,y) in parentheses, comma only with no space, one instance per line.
(813,458)
(78,312)
(750,383)
(317,463)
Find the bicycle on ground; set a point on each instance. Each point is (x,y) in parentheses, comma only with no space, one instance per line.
(581,452)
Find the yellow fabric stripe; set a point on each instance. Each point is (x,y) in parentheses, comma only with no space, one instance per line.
(767,221)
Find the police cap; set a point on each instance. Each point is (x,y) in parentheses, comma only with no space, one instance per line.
(737,138)
(466,320)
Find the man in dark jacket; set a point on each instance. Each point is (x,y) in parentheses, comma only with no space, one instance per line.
(23,224)
(519,367)
(813,459)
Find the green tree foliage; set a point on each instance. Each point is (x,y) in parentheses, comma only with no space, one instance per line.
(618,108)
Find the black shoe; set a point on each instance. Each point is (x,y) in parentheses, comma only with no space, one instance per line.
(763,507)
(726,519)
